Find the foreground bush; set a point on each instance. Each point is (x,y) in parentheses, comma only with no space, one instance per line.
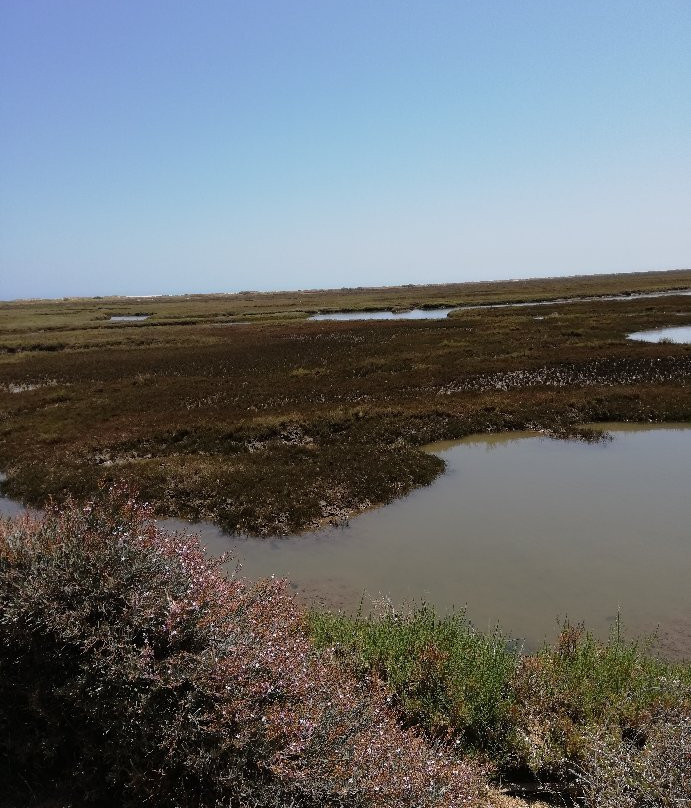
(577,711)
(651,770)
(447,678)
(580,689)
(133,672)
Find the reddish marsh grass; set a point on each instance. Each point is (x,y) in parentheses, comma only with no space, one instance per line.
(133,671)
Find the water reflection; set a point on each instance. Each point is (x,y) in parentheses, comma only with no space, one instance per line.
(680,334)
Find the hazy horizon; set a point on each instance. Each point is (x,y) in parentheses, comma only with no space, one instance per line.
(169,148)
(290,290)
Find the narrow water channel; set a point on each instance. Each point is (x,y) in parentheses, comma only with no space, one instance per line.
(442,313)
(385,314)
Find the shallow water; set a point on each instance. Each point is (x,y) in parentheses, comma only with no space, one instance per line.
(440,314)
(680,334)
(129,318)
(9,507)
(411,314)
(522,529)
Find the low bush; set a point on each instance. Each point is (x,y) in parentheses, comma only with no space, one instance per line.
(546,712)
(580,688)
(649,770)
(446,677)
(133,672)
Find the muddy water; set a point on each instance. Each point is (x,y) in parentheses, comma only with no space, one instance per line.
(440,314)
(523,530)
(680,334)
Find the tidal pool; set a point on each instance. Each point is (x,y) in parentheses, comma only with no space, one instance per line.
(524,530)
(129,318)
(9,507)
(680,334)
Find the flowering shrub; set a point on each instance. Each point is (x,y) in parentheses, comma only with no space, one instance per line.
(133,671)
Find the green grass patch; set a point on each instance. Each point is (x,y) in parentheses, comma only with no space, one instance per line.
(447,678)
(538,711)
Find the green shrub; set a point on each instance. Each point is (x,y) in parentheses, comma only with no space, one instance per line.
(545,712)
(582,687)
(446,677)
(132,672)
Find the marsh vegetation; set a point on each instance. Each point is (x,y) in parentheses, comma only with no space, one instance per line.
(132,666)
(282,425)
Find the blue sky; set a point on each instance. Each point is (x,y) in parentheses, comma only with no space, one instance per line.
(162,146)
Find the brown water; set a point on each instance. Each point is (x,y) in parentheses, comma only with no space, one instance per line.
(522,529)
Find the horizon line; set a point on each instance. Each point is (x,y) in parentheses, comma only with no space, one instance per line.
(245,292)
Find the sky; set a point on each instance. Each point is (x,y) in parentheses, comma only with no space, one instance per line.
(168,146)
